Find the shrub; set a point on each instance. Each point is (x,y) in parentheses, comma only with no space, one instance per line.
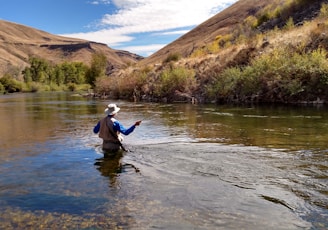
(289,24)
(319,37)
(33,86)
(263,18)
(199,52)
(283,75)
(172,57)
(251,21)
(324,10)
(2,88)
(71,86)
(83,87)
(11,85)
(226,83)
(176,79)
(213,47)
(106,85)
(225,40)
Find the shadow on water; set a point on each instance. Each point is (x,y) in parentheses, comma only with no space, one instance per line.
(111,166)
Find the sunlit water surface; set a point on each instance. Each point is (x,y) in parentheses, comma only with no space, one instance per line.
(189,166)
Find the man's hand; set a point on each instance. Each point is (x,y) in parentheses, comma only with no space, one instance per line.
(137,123)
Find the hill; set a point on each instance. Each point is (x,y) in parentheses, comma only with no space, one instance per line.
(253,51)
(229,21)
(220,24)
(19,42)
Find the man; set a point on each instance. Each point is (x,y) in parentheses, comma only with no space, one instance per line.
(110,130)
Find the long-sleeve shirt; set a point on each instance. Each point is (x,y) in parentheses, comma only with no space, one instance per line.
(117,127)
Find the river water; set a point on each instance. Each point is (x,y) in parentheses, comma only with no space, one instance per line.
(188,166)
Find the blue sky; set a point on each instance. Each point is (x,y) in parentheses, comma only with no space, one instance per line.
(138,26)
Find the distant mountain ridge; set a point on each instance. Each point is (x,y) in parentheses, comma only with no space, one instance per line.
(19,42)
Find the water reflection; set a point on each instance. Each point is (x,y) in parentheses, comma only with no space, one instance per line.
(111,165)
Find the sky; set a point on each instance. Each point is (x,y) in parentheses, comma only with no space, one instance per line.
(138,26)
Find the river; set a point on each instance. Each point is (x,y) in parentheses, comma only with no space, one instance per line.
(188,166)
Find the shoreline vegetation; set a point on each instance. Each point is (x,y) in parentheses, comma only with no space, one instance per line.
(266,59)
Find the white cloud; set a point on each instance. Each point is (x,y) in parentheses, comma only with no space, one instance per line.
(151,16)
(178,32)
(98,2)
(157,15)
(111,37)
(147,50)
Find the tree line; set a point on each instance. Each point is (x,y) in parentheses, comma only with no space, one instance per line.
(67,75)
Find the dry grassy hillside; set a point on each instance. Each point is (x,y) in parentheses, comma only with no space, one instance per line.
(254,51)
(230,21)
(222,23)
(18,43)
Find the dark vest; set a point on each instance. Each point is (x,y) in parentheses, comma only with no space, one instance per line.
(106,131)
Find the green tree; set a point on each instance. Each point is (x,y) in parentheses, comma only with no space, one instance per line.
(39,71)
(97,68)
(69,72)
(80,72)
(59,75)
(27,75)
